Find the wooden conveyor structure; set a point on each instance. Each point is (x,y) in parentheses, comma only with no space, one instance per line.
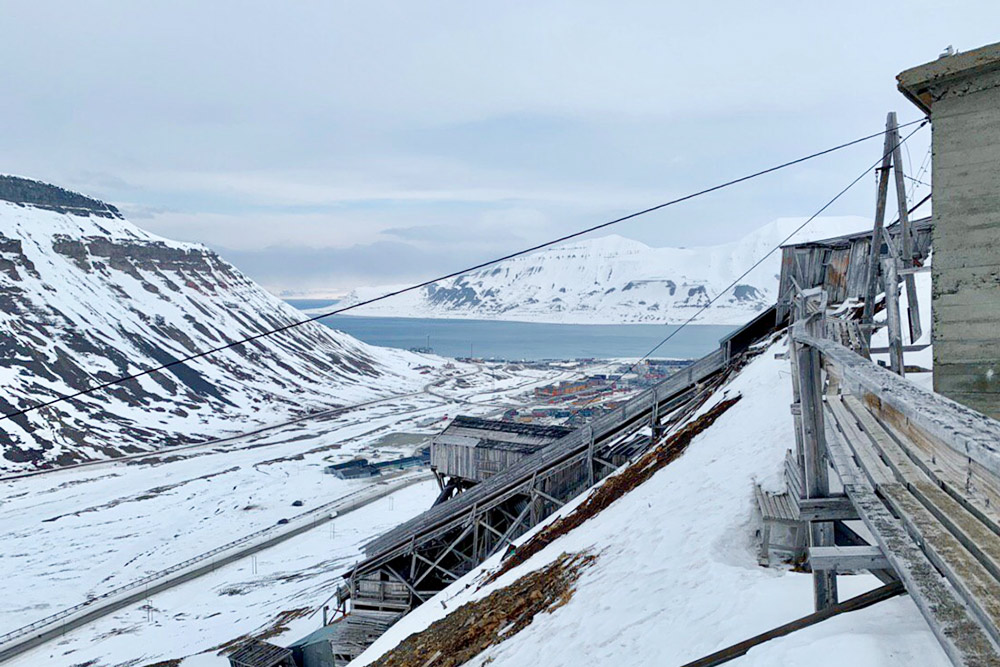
(411,563)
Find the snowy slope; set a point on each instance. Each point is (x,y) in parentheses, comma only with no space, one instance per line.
(676,576)
(613,280)
(85,296)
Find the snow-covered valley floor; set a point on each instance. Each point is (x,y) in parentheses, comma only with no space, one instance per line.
(676,574)
(71,534)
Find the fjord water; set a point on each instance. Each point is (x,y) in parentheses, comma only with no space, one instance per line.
(524,340)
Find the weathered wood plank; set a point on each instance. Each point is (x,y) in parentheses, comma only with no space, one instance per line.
(854,604)
(892,315)
(837,508)
(974,583)
(876,243)
(964,491)
(847,559)
(951,425)
(874,469)
(977,537)
(793,476)
(961,636)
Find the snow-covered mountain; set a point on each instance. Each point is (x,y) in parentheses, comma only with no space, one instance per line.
(611,280)
(85,297)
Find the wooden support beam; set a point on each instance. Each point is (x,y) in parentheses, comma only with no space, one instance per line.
(413,558)
(444,553)
(892,315)
(606,464)
(505,513)
(475,531)
(854,604)
(548,497)
(875,249)
(508,536)
(908,271)
(590,456)
(815,468)
(906,234)
(491,528)
(837,508)
(403,581)
(846,536)
(435,566)
(906,348)
(847,559)
(654,413)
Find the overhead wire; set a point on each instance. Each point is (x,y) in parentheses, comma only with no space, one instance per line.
(760,261)
(562,239)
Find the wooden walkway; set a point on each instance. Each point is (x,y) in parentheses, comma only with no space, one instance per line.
(923,474)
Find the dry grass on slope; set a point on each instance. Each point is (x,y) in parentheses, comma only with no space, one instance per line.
(475,626)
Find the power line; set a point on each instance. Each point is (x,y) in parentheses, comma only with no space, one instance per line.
(761,260)
(916,180)
(65,397)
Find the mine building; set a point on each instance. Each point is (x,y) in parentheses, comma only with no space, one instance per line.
(471,450)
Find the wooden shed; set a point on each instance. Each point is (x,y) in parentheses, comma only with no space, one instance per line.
(337,644)
(257,653)
(474,449)
(839,265)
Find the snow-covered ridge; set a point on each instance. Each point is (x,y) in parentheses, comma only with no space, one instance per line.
(612,280)
(86,296)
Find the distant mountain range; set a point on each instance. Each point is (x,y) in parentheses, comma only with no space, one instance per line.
(613,280)
(85,297)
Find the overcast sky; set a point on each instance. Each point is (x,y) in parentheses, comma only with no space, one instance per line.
(323,145)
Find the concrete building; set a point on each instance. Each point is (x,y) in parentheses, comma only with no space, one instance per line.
(961,93)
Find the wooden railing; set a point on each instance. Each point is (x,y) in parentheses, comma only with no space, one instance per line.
(922,472)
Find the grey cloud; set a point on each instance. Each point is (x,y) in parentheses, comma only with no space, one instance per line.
(299,268)
(425,117)
(422,232)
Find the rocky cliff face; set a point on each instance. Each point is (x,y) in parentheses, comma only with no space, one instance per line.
(86,297)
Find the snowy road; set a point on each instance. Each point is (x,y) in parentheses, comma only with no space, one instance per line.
(242,438)
(36,634)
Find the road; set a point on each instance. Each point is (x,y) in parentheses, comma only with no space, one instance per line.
(22,639)
(177,486)
(324,414)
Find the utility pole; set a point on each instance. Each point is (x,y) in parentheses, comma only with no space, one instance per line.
(906,236)
(867,316)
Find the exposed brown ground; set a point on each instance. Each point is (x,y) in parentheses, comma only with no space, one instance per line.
(475,626)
